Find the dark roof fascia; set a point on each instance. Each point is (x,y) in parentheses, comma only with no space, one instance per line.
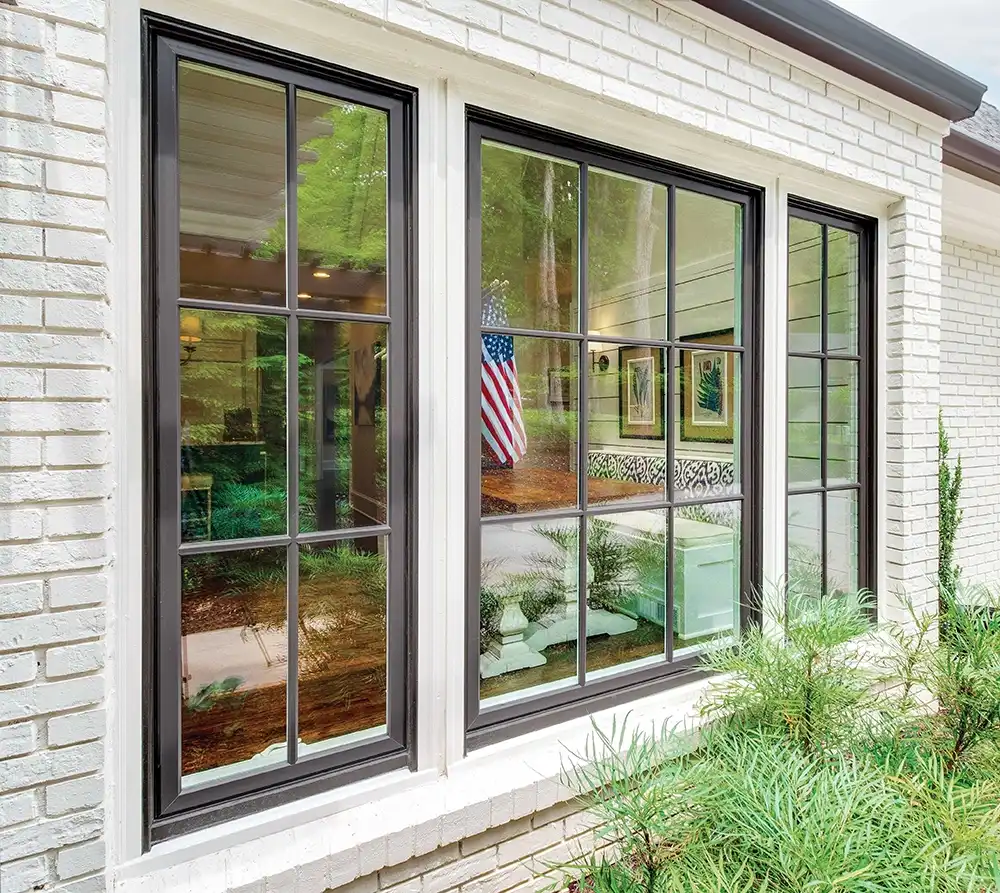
(832,35)
(971,156)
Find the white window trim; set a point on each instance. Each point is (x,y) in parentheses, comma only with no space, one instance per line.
(328,34)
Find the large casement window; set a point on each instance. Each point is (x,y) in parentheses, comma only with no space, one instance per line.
(613,426)
(278,406)
(831,401)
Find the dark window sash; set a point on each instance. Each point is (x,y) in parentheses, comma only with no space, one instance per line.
(866,229)
(533,712)
(169,810)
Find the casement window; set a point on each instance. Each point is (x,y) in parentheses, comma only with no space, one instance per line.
(831,401)
(278,405)
(613,422)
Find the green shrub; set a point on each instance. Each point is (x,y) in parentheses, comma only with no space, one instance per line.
(949,512)
(808,774)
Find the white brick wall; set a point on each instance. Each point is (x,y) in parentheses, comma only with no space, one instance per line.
(54,418)
(970,397)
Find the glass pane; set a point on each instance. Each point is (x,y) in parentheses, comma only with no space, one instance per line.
(342,642)
(843,271)
(626,591)
(528,409)
(805,410)
(627,427)
(234,653)
(708,267)
(528,608)
(342,187)
(231,168)
(530,218)
(627,257)
(707,564)
(842,540)
(233,410)
(842,422)
(342,424)
(805,544)
(805,285)
(707,422)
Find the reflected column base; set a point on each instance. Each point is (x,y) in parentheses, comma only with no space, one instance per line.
(565,628)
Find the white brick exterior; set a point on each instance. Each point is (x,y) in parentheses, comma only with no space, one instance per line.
(58,419)
(970,397)
(54,418)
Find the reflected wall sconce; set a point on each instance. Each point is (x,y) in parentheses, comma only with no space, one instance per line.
(190,336)
(599,361)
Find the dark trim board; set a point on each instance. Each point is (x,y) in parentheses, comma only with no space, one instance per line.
(826,32)
(971,156)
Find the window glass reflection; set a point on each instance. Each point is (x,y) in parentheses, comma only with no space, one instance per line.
(528,608)
(234,657)
(530,223)
(343,413)
(233,433)
(231,168)
(342,636)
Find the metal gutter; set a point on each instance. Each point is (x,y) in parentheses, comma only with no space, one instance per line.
(971,156)
(832,35)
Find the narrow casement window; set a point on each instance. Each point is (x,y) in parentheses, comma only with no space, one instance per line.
(279,415)
(613,516)
(831,313)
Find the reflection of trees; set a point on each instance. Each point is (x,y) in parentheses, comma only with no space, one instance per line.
(341,193)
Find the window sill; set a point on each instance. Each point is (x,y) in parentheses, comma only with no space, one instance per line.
(331,839)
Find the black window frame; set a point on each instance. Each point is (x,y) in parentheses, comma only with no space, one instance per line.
(866,228)
(537,711)
(169,811)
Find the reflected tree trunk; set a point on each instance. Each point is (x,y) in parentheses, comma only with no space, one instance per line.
(548,297)
(643,262)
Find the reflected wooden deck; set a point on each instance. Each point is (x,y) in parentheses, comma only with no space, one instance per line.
(510,490)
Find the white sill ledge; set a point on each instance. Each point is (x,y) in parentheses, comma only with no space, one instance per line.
(332,838)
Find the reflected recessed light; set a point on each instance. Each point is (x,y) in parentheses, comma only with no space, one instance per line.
(304,294)
(321,274)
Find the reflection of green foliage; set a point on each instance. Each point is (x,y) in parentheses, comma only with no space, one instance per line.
(209,694)
(342,193)
(245,510)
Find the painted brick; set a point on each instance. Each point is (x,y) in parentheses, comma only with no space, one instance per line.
(50,834)
(49,697)
(76,519)
(75,179)
(72,660)
(49,765)
(16,669)
(86,589)
(20,452)
(20,170)
(73,795)
(18,740)
(67,244)
(75,43)
(24,875)
(20,310)
(18,808)
(78,111)
(22,383)
(73,728)
(79,449)
(85,858)
(23,240)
